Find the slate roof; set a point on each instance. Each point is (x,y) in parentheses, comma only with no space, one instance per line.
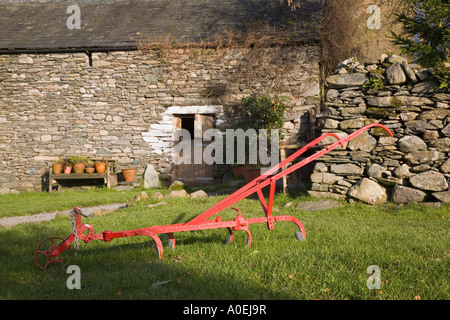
(40,25)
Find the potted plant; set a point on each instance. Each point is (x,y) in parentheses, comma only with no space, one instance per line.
(129,174)
(100,166)
(79,163)
(67,165)
(258,112)
(90,168)
(251,172)
(238,170)
(57,167)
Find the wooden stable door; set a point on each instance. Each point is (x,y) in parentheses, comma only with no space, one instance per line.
(196,172)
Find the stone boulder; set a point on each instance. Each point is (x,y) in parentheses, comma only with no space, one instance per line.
(324,195)
(151,179)
(363,142)
(429,180)
(408,72)
(157,195)
(379,101)
(411,143)
(408,116)
(346,169)
(331,124)
(419,126)
(177,194)
(393,58)
(345,80)
(154,205)
(409,100)
(320,167)
(446,130)
(351,124)
(325,177)
(436,114)
(442,145)
(332,94)
(395,74)
(423,157)
(368,191)
(176,185)
(402,194)
(375,170)
(402,171)
(331,139)
(199,194)
(445,167)
(442,196)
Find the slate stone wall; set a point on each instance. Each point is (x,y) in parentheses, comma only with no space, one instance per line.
(412,166)
(58,105)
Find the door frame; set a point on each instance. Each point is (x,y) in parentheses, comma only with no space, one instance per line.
(198,112)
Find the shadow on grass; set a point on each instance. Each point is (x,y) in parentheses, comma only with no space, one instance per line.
(126,269)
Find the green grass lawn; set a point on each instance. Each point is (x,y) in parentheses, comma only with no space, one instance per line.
(38,202)
(410,245)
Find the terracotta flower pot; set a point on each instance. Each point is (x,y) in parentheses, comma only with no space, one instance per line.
(67,169)
(128,174)
(238,171)
(90,170)
(79,167)
(57,168)
(251,174)
(100,167)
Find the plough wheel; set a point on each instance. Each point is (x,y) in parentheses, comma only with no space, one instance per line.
(43,253)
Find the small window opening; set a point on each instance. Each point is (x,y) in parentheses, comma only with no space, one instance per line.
(89,54)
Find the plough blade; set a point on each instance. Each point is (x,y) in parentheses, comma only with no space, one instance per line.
(268,179)
(299,236)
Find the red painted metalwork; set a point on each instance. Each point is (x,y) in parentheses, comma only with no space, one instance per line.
(202,221)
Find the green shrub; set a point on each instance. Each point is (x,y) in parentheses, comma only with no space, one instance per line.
(261,112)
(79,159)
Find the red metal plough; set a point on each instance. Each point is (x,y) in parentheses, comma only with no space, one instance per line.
(57,250)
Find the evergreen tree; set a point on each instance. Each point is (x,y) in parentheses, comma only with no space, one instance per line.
(426,32)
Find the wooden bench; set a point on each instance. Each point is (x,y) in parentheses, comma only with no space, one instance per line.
(109,176)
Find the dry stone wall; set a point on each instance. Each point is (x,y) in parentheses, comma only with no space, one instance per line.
(411,166)
(115,106)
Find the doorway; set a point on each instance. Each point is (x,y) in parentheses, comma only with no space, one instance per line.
(194,173)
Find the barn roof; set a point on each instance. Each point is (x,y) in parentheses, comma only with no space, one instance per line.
(41,25)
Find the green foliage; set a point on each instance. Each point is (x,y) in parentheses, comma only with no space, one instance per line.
(257,113)
(426,34)
(79,159)
(442,74)
(261,112)
(374,83)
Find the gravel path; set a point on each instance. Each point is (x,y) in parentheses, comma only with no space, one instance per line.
(36,218)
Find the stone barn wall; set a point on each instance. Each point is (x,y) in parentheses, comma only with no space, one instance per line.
(115,104)
(412,166)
